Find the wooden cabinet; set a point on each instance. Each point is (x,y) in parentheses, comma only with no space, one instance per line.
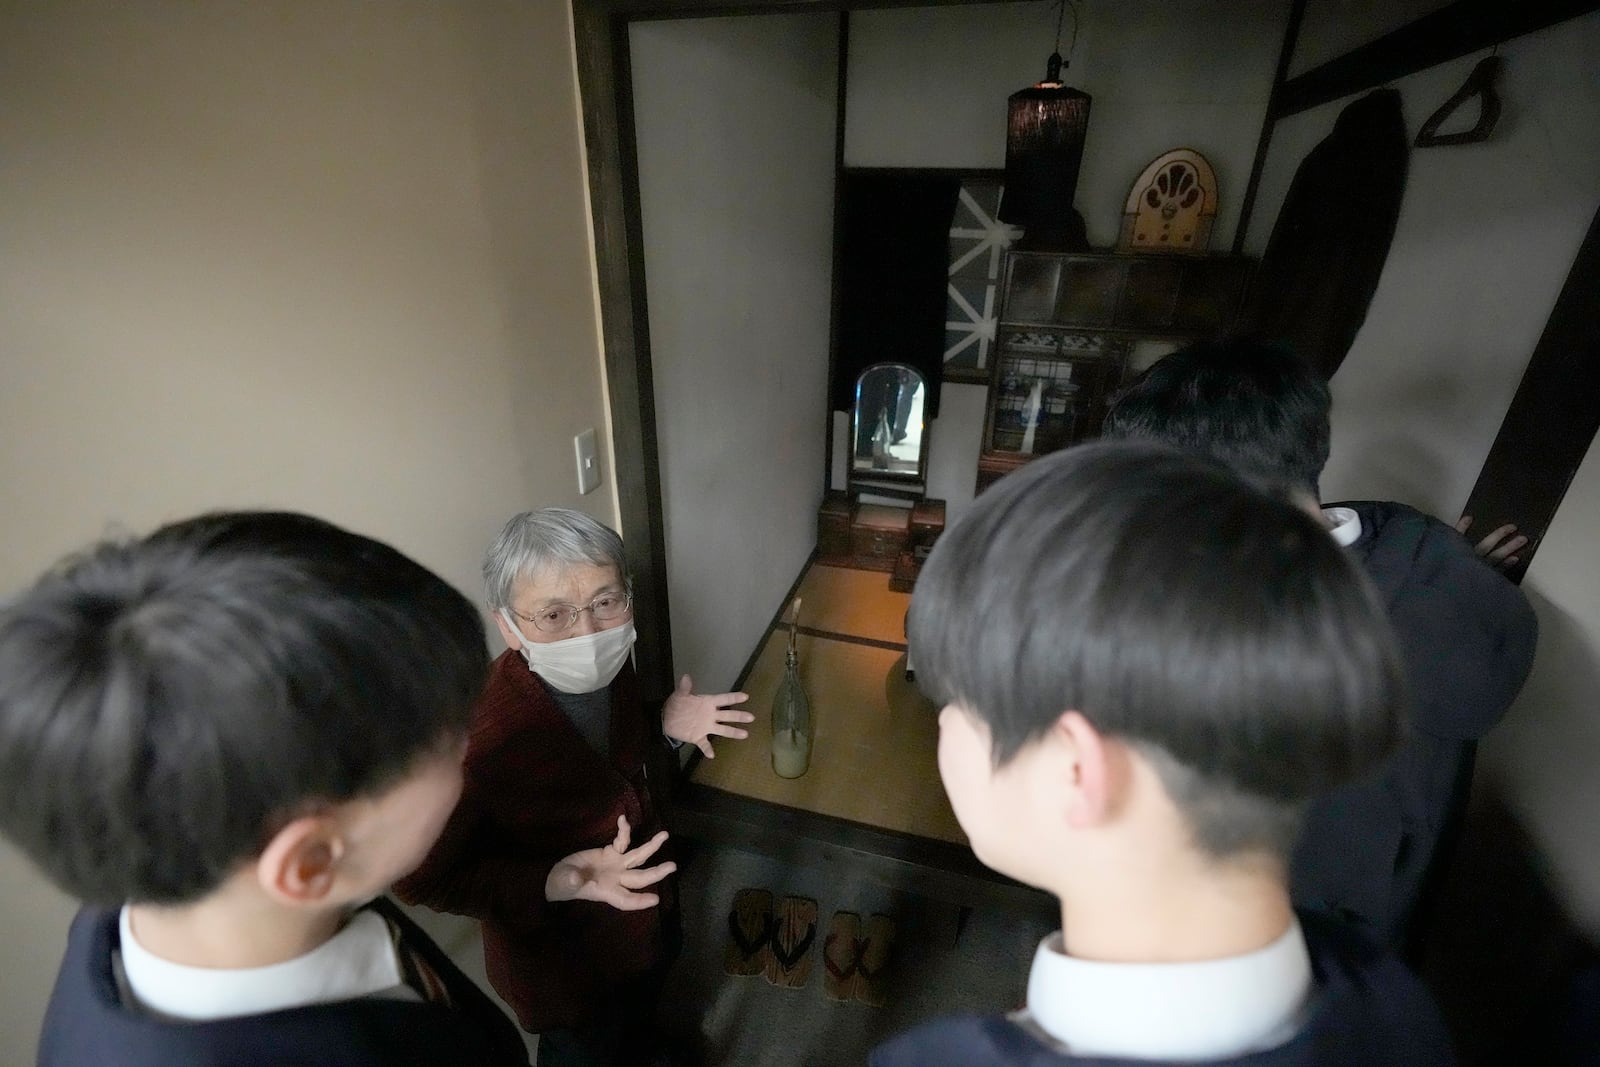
(927,523)
(878,537)
(1068,325)
(833,530)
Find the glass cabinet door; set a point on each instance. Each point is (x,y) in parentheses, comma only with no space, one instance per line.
(1051,388)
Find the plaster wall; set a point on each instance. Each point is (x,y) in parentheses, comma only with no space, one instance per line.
(331,257)
(735,121)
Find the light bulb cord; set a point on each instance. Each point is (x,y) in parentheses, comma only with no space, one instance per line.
(1054,67)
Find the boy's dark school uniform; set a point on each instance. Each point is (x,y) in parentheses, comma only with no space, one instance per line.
(1374,850)
(1367,1011)
(87,1024)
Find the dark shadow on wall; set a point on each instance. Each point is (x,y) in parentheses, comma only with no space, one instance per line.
(1516,975)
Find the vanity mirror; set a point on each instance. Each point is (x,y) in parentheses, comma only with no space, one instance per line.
(889,452)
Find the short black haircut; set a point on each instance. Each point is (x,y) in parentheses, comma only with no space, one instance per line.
(1211,625)
(1257,407)
(167,704)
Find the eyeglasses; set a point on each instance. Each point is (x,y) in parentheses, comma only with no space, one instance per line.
(554,618)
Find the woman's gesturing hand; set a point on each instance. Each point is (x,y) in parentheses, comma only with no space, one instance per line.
(612,875)
(694,717)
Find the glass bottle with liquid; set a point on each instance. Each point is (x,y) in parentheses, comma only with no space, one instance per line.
(791,715)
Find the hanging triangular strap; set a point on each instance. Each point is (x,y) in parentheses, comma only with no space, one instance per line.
(749,946)
(790,959)
(1479,83)
(858,948)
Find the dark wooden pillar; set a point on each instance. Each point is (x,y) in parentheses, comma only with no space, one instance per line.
(1553,416)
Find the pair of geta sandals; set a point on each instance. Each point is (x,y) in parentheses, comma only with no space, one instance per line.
(776,942)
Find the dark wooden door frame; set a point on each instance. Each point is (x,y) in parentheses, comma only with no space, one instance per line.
(600,36)
(1554,415)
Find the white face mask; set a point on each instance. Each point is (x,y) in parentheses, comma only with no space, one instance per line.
(579,664)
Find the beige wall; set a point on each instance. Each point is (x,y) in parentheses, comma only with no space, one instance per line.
(327,256)
(928,88)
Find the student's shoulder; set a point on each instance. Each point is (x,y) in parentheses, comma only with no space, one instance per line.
(87,1022)
(1467,633)
(362,1032)
(1402,548)
(1393,531)
(965,1040)
(85,983)
(1369,1008)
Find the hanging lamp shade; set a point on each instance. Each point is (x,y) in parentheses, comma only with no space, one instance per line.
(1045,128)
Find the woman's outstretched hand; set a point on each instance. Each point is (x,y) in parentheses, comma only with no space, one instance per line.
(695,718)
(612,875)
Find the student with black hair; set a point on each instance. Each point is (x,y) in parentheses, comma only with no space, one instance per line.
(1374,850)
(1148,668)
(227,739)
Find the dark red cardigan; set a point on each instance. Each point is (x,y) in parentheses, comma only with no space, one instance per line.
(537,792)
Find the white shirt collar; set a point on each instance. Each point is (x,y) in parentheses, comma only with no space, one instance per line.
(358,961)
(1344,524)
(1213,1009)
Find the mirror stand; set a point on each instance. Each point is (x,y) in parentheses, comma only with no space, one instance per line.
(881,520)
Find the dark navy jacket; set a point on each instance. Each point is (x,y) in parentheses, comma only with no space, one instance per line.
(1374,850)
(1368,1011)
(86,1024)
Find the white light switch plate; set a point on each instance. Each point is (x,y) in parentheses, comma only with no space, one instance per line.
(588,461)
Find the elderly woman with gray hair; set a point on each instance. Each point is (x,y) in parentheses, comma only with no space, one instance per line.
(563,770)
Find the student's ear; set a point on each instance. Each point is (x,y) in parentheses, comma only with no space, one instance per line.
(1093,779)
(300,865)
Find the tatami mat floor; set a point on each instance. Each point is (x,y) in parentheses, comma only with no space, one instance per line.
(941,961)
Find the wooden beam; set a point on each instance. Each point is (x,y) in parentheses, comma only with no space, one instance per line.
(1291,37)
(1553,417)
(835,264)
(1458,29)
(681,9)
